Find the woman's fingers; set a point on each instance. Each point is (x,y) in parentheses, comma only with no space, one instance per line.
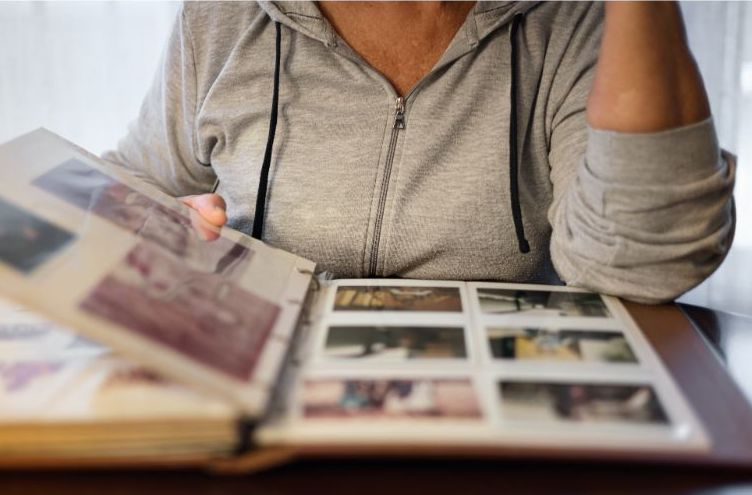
(207,214)
(210,206)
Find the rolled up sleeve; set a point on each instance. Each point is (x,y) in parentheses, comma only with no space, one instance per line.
(646,216)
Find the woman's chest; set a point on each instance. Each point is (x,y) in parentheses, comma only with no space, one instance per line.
(364,196)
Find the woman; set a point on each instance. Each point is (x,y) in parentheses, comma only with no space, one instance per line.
(447,140)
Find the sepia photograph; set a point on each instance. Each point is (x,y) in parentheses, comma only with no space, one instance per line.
(26,240)
(98,193)
(581,402)
(201,315)
(541,302)
(390,399)
(390,344)
(552,344)
(397,298)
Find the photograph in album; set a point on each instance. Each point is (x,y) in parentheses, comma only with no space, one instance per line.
(200,314)
(553,344)
(26,240)
(98,193)
(541,303)
(580,402)
(395,343)
(397,298)
(379,398)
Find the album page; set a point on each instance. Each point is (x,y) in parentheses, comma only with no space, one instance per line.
(401,362)
(89,247)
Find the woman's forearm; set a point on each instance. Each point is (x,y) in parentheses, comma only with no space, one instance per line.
(646,79)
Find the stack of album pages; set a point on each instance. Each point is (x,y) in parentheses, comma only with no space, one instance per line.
(172,340)
(64,396)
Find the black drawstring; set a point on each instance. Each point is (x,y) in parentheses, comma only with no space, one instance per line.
(258,218)
(514,192)
(524,246)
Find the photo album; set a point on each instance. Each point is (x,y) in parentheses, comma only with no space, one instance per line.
(133,333)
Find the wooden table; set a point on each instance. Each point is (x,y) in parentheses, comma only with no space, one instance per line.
(700,374)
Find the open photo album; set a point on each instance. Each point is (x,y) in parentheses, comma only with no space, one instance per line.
(131,331)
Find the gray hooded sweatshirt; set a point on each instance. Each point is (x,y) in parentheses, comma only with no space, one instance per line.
(486,171)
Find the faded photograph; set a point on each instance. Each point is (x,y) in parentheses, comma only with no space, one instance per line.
(128,390)
(390,399)
(580,402)
(541,302)
(26,240)
(102,195)
(397,298)
(202,315)
(551,344)
(395,343)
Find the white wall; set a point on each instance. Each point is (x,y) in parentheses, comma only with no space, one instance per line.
(80,69)
(720,35)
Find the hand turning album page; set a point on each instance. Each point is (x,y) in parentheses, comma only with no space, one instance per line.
(90,248)
(481,366)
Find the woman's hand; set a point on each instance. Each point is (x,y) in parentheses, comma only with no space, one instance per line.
(208,214)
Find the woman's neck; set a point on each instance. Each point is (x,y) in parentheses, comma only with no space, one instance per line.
(402,40)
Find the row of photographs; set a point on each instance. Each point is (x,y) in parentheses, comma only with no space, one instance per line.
(27,241)
(383,324)
(537,402)
(494,301)
(401,344)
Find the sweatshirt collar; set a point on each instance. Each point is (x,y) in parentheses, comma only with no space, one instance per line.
(485,18)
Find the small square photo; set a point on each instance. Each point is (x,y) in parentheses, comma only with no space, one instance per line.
(581,402)
(397,298)
(541,303)
(394,344)
(551,344)
(390,399)
(26,240)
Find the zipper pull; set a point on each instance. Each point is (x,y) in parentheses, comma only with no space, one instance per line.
(399,113)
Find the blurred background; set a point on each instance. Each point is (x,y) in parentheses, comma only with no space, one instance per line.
(81,69)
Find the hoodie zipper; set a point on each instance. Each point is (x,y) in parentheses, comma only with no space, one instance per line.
(399,124)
